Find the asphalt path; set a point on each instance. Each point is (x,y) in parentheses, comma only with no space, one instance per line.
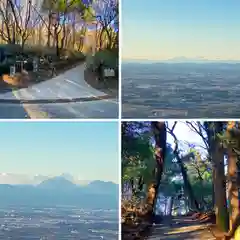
(66,96)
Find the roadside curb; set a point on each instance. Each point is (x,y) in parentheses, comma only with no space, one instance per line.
(50,101)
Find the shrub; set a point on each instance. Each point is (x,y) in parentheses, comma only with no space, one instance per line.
(110,58)
(39,50)
(12,49)
(74,55)
(4,68)
(28,66)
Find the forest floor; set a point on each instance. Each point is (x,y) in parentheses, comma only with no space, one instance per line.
(194,226)
(181,228)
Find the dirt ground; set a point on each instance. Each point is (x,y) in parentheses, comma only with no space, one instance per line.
(173,228)
(181,228)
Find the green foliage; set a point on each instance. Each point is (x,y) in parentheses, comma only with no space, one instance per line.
(85,12)
(110,58)
(4,68)
(88,14)
(169,157)
(11,49)
(138,159)
(199,171)
(202,189)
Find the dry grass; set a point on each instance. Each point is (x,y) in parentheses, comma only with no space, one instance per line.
(19,80)
(24,79)
(136,220)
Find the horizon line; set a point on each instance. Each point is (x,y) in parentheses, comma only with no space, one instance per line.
(182,61)
(32,184)
(179,57)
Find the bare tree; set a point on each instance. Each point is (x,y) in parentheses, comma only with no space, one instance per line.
(21,19)
(107,18)
(7,30)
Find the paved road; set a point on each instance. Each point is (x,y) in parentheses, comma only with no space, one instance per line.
(65,96)
(13,111)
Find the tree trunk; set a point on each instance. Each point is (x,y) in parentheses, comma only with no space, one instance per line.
(56,34)
(217,156)
(63,39)
(233,195)
(74,32)
(140,183)
(151,195)
(165,207)
(213,194)
(40,36)
(170,206)
(49,29)
(160,136)
(209,132)
(193,203)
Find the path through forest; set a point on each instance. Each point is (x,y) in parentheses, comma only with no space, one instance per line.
(181,228)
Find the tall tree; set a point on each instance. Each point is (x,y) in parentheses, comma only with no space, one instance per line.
(107,21)
(187,185)
(233,191)
(18,20)
(160,137)
(60,14)
(219,179)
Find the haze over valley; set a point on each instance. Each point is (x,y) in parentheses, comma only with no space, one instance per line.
(52,186)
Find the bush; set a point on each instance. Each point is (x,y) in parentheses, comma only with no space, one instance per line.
(78,55)
(9,61)
(62,64)
(28,66)
(14,53)
(4,68)
(11,49)
(39,51)
(74,55)
(110,58)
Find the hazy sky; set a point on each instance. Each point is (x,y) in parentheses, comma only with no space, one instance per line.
(163,29)
(88,151)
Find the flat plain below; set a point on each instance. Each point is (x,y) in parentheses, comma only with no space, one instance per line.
(180,90)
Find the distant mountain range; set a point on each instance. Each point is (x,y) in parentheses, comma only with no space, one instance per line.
(12,178)
(198,60)
(182,60)
(97,186)
(61,191)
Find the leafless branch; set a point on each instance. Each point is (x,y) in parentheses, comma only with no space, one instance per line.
(198,128)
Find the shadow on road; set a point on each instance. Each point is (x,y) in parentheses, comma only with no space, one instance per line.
(180,228)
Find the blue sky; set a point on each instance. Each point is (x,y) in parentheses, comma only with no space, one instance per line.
(163,29)
(185,135)
(87,150)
